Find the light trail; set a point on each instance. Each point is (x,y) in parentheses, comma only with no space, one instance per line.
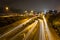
(15,30)
(48,35)
(8,16)
(30,31)
(30,27)
(42,32)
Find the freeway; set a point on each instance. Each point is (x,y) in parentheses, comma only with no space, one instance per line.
(28,30)
(11,26)
(15,29)
(49,32)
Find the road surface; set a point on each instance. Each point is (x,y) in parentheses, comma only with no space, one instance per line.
(27,30)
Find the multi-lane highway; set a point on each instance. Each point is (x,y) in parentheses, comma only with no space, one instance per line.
(28,29)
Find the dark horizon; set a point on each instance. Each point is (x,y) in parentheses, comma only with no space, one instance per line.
(37,5)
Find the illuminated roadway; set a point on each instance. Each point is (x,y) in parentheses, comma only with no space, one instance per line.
(37,30)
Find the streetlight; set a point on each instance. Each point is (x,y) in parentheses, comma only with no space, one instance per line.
(31,11)
(25,11)
(6,8)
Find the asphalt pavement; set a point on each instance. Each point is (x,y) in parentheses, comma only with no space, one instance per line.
(37,30)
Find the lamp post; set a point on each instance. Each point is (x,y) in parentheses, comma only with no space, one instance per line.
(6,8)
(31,13)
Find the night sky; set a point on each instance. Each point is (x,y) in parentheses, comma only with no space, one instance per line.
(37,5)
